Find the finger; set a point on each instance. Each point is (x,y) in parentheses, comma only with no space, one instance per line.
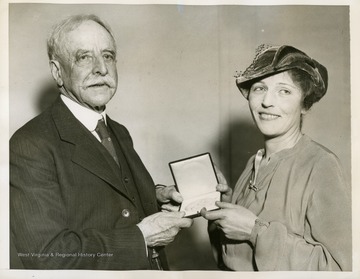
(180,223)
(218,223)
(176,196)
(186,223)
(223,188)
(173,214)
(203,212)
(165,208)
(169,193)
(225,205)
(170,207)
(220,176)
(213,215)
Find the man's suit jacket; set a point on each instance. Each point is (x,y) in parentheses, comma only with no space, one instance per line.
(68,205)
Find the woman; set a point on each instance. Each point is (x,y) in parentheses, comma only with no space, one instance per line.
(290,209)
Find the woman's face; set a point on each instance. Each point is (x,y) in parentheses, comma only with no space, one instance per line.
(276,105)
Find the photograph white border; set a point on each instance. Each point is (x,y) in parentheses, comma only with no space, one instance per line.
(4,177)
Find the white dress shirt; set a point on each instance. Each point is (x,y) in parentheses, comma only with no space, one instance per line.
(89,118)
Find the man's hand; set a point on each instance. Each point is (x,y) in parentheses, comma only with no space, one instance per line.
(168,197)
(161,228)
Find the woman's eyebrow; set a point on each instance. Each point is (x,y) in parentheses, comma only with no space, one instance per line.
(288,84)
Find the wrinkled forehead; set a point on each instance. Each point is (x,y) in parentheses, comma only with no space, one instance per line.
(88,35)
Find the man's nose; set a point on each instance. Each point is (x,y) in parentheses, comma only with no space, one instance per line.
(99,66)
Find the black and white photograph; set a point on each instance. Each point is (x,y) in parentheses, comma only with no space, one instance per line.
(99,99)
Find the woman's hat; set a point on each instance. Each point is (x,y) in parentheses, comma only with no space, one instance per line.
(270,60)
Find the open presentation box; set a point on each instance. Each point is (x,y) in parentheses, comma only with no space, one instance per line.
(196,180)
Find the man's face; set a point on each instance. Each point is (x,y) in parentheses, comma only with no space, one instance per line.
(88,65)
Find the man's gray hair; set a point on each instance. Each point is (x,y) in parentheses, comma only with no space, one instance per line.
(54,46)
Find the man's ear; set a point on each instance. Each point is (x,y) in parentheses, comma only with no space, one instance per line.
(56,72)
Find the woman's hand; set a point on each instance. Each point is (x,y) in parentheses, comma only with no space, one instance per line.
(222,187)
(234,220)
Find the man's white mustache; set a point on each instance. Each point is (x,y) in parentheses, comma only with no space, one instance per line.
(105,81)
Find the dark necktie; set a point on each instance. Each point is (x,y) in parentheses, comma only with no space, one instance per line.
(105,138)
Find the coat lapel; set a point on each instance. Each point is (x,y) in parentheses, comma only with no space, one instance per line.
(142,178)
(87,150)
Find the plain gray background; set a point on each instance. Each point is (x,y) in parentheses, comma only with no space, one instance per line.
(177,94)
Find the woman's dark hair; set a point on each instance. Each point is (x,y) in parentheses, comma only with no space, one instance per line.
(306,83)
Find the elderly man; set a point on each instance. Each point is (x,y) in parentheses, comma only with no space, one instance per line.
(80,197)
